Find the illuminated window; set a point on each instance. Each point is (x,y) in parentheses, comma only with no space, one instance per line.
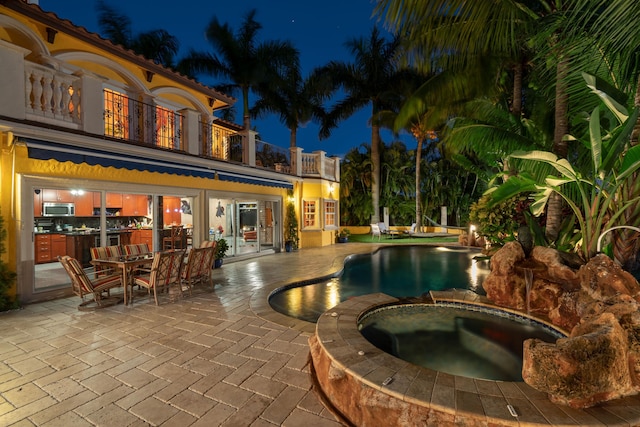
(330,213)
(116,114)
(165,127)
(309,209)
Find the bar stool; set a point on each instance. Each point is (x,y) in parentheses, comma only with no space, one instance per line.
(175,240)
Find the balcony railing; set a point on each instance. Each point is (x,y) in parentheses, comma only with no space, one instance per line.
(220,143)
(273,157)
(51,94)
(129,119)
(53,97)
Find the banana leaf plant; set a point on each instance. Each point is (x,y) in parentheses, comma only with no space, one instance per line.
(594,193)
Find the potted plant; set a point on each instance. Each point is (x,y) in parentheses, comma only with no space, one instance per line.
(343,235)
(221,250)
(291,231)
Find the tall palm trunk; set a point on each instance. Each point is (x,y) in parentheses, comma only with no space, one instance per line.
(293,137)
(246,117)
(375,172)
(418,192)
(625,241)
(516,106)
(560,148)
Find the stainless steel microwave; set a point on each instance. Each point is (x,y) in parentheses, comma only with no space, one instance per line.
(58,209)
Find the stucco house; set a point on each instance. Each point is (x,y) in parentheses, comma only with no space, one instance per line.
(101,146)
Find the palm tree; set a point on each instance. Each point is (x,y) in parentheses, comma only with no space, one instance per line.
(371,80)
(294,99)
(355,185)
(156,45)
(461,32)
(247,64)
(611,25)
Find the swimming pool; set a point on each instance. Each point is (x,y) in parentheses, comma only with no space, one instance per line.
(399,271)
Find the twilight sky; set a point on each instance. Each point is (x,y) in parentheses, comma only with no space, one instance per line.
(317,29)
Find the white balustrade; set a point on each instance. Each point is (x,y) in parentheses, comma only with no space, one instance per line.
(310,164)
(51,94)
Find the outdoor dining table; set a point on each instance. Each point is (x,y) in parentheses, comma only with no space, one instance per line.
(125,264)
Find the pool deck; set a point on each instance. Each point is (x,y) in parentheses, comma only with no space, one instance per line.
(220,358)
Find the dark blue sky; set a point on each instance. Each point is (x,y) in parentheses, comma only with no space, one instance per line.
(317,29)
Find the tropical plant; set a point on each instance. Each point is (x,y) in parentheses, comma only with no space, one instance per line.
(7,277)
(371,80)
(498,222)
(345,232)
(459,34)
(291,223)
(355,186)
(594,194)
(239,58)
(221,248)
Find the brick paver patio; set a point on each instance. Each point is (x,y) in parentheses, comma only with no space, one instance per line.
(219,357)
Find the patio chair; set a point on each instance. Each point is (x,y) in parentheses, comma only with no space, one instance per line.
(411,231)
(164,275)
(198,267)
(98,288)
(104,252)
(208,244)
(383,228)
(136,249)
(375,231)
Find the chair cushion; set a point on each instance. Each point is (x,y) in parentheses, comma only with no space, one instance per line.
(136,249)
(103,252)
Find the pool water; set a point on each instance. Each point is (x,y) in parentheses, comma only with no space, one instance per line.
(399,271)
(455,340)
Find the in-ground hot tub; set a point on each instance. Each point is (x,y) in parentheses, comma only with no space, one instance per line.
(459,339)
(362,384)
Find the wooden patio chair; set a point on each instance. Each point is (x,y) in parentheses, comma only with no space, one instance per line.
(136,249)
(198,267)
(98,288)
(164,275)
(104,252)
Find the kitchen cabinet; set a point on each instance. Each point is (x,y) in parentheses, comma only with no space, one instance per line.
(171,210)
(58,246)
(84,204)
(71,246)
(57,196)
(142,236)
(43,248)
(37,203)
(134,205)
(114,200)
(49,246)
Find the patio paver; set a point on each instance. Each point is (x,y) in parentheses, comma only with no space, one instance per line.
(220,357)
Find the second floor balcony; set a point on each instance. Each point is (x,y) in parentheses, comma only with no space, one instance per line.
(67,101)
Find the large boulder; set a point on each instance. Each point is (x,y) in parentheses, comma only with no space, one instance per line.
(503,286)
(587,368)
(598,302)
(603,279)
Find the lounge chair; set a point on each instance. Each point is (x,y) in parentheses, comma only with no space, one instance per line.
(387,231)
(412,230)
(375,231)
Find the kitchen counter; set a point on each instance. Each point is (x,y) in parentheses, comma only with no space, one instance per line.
(86,233)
